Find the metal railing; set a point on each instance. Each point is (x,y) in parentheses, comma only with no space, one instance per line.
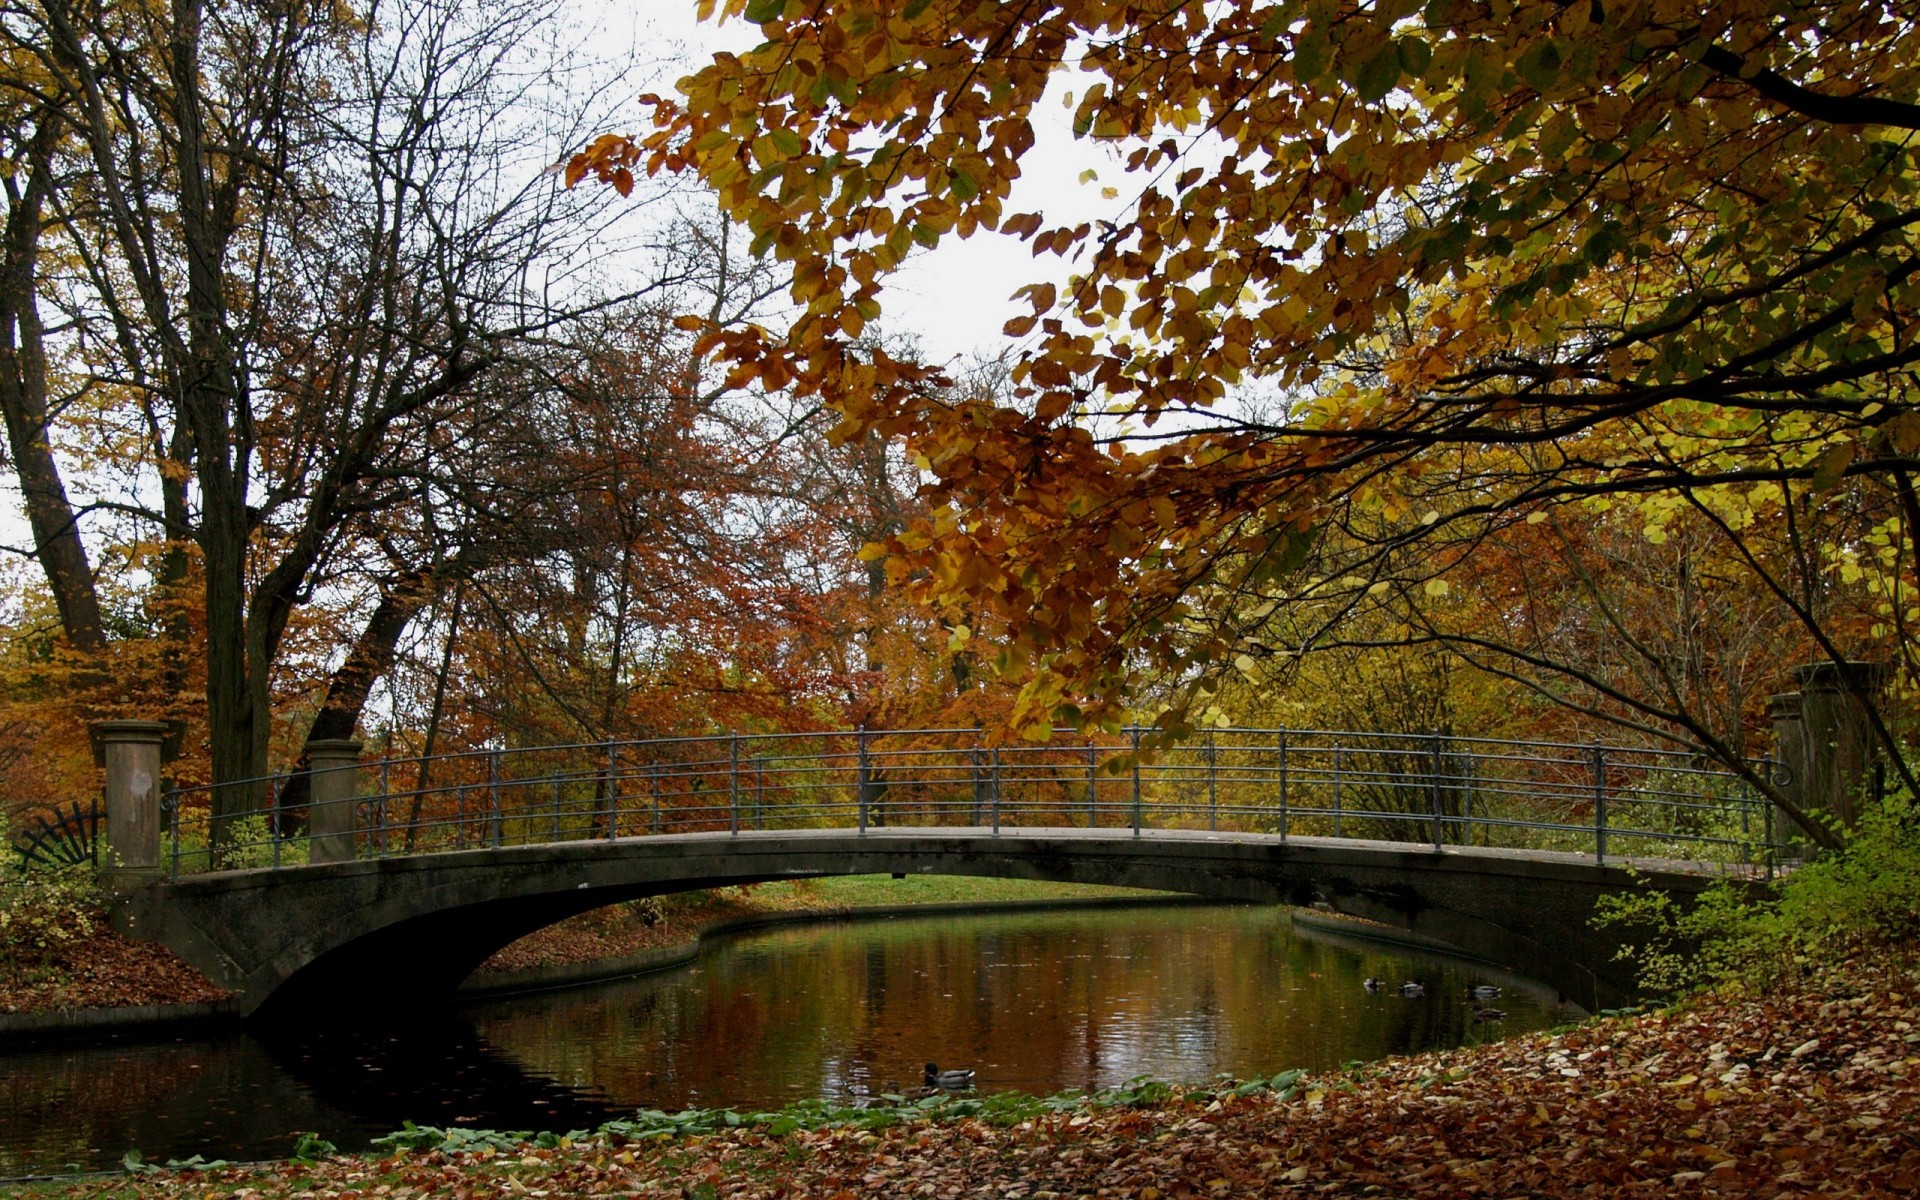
(1438,790)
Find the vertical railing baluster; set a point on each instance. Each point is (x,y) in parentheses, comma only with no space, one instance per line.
(860,774)
(1599,804)
(733,782)
(1093,787)
(613,790)
(1336,790)
(386,789)
(555,836)
(759,791)
(1213,783)
(275,814)
(1466,797)
(460,818)
(993,797)
(653,788)
(1433,783)
(1134,730)
(1281,745)
(494,816)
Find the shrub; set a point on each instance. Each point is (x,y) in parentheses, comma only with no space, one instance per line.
(42,910)
(1863,898)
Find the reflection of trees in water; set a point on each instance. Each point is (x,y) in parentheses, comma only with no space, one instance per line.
(1035,1001)
(433,1071)
(219,1096)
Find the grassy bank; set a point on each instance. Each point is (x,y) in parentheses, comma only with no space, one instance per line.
(625,929)
(1808,1090)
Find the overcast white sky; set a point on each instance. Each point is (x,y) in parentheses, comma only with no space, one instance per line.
(954,298)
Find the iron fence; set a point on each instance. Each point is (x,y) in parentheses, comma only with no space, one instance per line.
(1438,790)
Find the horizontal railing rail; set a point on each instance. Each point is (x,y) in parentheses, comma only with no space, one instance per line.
(1434,789)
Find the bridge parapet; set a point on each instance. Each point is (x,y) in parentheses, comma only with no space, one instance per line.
(1600,800)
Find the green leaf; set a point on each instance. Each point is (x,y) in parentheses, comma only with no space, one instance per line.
(1311,54)
(762,11)
(915,7)
(964,188)
(1415,55)
(1379,74)
(787,142)
(1540,65)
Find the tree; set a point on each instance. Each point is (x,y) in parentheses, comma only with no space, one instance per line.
(293,241)
(1410,271)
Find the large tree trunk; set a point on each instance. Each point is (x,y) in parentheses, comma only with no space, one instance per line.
(371,657)
(23,398)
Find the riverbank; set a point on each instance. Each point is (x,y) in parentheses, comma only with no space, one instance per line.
(1809,1090)
(91,979)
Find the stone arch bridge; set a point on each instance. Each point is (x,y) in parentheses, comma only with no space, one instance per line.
(391,895)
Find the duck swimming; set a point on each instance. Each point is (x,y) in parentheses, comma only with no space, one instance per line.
(1370,983)
(1410,988)
(955,1080)
(1484,991)
(1489,1014)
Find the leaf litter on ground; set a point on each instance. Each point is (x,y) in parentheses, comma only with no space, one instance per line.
(1810,1091)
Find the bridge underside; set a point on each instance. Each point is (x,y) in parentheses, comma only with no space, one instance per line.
(357,939)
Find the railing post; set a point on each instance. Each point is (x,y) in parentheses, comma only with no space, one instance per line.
(1599,804)
(1134,730)
(386,791)
(1093,787)
(653,788)
(494,815)
(993,797)
(130,751)
(1336,790)
(335,767)
(1466,797)
(1213,783)
(733,781)
(555,834)
(759,791)
(1439,831)
(1282,746)
(613,789)
(274,813)
(860,773)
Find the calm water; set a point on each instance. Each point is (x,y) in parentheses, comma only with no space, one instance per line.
(1033,1001)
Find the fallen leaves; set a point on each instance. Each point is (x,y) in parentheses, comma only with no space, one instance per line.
(1724,1097)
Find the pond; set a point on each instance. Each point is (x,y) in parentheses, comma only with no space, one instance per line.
(1035,1001)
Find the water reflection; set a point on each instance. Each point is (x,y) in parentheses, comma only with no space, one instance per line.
(1034,1001)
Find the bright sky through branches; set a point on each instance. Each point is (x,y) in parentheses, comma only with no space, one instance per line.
(954,298)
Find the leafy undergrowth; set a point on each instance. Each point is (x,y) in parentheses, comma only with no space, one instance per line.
(624,929)
(56,950)
(1809,1091)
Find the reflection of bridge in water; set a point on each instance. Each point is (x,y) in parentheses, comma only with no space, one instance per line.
(409,873)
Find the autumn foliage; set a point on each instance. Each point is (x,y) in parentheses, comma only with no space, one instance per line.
(1570,338)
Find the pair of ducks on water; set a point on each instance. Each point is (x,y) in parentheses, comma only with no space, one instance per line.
(934,1083)
(1478,991)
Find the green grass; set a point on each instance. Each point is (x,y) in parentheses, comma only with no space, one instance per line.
(883,891)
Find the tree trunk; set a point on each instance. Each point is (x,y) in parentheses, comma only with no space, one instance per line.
(23,398)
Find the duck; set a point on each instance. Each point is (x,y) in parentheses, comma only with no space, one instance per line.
(1410,988)
(1484,991)
(1370,983)
(954,1080)
(1489,1014)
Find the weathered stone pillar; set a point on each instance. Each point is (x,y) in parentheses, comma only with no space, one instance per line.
(1837,736)
(1789,746)
(334,803)
(130,751)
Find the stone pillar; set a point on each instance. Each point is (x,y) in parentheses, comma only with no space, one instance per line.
(1838,738)
(130,751)
(334,800)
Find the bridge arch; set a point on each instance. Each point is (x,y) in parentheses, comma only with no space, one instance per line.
(348,939)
